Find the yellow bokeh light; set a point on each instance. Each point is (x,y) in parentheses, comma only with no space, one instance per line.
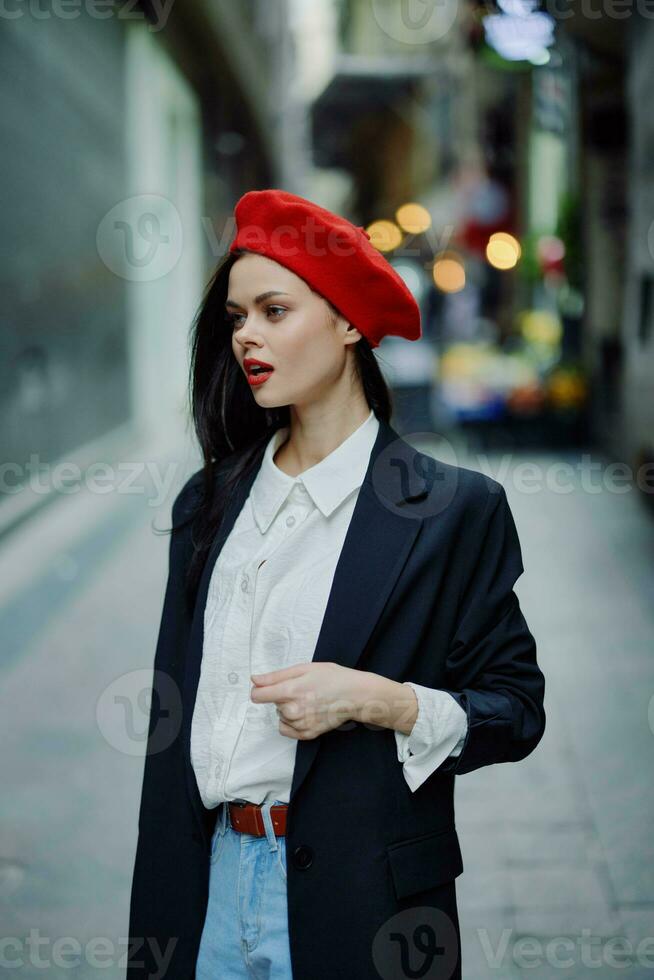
(503,250)
(567,389)
(413,218)
(541,327)
(449,273)
(384,235)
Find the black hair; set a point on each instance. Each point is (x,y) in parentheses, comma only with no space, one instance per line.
(231,428)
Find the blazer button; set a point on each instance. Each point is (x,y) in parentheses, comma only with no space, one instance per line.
(303,857)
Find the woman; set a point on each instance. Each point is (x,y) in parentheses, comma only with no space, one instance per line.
(340,638)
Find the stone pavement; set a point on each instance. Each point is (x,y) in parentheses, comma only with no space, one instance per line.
(82,590)
(561,843)
(558,845)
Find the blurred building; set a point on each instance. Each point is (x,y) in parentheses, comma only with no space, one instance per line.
(395,113)
(422,110)
(615,261)
(524,133)
(574,126)
(119,195)
(636,381)
(127,138)
(396,117)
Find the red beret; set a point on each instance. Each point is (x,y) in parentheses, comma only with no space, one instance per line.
(333,256)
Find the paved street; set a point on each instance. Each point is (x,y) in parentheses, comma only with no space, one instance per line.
(558,845)
(561,844)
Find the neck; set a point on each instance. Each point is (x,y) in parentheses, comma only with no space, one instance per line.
(315,432)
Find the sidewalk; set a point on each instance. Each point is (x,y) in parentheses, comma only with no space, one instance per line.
(83,585)
(561,844)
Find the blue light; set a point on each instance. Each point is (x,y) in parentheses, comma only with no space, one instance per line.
(521,32)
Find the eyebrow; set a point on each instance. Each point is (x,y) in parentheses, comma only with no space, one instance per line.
(260,298)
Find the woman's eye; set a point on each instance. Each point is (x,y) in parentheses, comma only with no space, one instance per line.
(233,318)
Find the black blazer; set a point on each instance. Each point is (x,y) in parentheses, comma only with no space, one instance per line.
(423,591)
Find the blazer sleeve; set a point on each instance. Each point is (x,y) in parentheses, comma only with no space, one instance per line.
(491,667)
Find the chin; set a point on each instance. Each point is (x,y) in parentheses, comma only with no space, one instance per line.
(269,401)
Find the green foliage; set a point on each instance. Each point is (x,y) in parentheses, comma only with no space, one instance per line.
(529,265)
(489,56)
(568,229)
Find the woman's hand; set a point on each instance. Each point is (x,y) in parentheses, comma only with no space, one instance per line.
(316,697)
(311,698)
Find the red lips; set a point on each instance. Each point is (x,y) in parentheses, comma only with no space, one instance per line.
(250,362)
(259,376)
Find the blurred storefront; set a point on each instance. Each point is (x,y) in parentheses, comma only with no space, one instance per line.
(598,219)
(475,145)
(522,135)
(610,227)
(397,116)
(512,369)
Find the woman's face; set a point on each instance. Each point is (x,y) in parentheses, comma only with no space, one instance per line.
(275,317)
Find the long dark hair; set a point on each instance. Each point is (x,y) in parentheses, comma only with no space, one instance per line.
(231,428)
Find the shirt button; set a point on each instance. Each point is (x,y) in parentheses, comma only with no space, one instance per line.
(244,583)
(290,521)
(232,677)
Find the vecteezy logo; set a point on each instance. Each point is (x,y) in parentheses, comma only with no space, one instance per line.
(141,238)
(137,708)
(418,943)
(415,21)
(413,483)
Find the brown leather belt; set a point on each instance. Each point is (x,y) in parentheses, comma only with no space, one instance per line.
(248,819)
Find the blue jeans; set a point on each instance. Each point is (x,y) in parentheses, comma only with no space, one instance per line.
(245,932)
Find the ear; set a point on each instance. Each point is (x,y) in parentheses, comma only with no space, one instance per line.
(350,333)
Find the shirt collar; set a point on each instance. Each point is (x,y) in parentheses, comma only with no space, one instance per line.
(328,482)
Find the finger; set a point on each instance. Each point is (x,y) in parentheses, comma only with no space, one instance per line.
(266,692)
(270,692)
(290,710)
(274,676)
(288,730)
(296,723)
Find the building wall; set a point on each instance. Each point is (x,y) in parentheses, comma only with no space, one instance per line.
(164,253)
(604,228)
(64,375)
(638,311)
(126,145)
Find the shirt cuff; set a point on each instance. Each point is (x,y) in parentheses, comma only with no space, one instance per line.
(439,731)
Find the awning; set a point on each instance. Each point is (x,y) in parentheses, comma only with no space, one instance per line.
(360,85)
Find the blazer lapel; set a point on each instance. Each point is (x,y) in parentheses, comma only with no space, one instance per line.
(378,542)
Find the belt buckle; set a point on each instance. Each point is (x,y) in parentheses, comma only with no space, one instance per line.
(239,802)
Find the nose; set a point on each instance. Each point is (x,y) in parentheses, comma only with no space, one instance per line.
(247,333)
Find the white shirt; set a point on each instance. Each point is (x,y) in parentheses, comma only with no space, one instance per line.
(265,605)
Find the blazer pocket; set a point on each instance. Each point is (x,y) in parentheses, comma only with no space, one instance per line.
(423,862)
